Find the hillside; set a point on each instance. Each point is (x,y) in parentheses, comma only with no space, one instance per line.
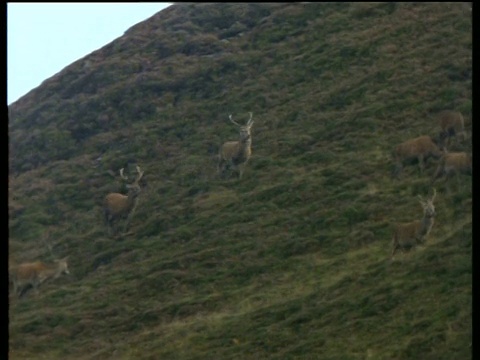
(293,260)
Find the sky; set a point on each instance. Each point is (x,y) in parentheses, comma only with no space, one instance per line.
(44,38)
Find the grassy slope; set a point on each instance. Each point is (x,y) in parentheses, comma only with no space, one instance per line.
(291,262)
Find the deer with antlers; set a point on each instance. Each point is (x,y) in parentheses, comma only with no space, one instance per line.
(235,154)
(117,206)
(409,235)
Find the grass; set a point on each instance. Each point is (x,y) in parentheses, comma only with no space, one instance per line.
(291,262)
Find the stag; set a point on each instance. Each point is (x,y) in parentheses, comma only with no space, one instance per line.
(235,154)
(117,206)
(420,148)
(408,235)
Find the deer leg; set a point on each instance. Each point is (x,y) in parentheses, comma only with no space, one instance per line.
(108,221)
(221,167)
(229,168)
(35,287)
(393,252)
(420,163)
(241,169)
(111,227)
(438,173)
(395,246)
(397,170)
(127,222)
(116,226)
(457,175)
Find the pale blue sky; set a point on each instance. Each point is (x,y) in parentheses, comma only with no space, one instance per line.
(44,38)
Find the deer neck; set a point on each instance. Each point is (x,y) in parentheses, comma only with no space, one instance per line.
(425,226)
(51,271)
(58,272)
(132,196)
(243,151)
(246,143)
(132,199)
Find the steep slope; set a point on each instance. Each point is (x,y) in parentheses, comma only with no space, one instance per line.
(293,260)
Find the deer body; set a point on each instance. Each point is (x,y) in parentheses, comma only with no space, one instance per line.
(36,273)
(452,124)
(408,235)
(420,148)
(454,163)
(236,154)
(117,206)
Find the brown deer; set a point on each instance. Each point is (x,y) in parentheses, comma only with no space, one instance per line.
(420,148)
(35,274)
(409,235)
(454,163)
(452,125)
(235,154)
(117,206)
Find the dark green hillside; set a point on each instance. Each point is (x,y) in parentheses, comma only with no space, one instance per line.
(291,262)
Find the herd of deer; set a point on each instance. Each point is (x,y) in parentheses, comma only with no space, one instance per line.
(234,155)
(408,235)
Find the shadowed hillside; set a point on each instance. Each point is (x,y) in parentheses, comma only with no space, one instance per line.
(290,262)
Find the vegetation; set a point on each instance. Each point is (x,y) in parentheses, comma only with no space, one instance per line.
(290,262)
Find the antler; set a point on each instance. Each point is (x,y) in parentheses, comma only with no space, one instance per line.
(230,117)
(140,174)
(123,176)
(250,121)
(421,200)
